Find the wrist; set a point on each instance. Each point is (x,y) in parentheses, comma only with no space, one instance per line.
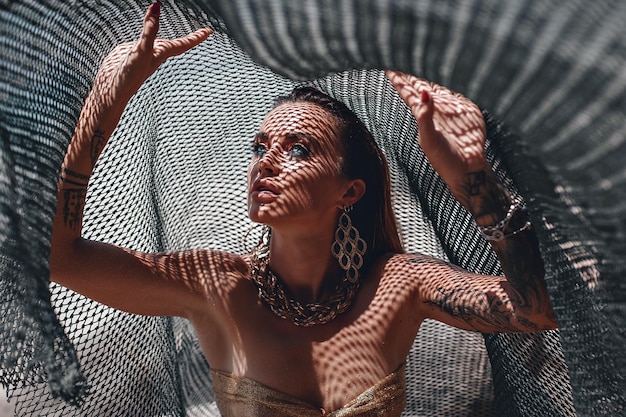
(70,178)
(488,214)
(484,197)
(515,221)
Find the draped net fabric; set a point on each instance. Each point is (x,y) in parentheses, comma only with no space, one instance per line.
(549,74)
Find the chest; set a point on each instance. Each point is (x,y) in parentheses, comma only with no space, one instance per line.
(324,365)
(330,364)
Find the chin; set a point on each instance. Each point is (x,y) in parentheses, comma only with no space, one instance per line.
(268,217)
(258,215)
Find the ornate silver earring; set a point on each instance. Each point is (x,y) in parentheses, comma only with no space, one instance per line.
(348,246)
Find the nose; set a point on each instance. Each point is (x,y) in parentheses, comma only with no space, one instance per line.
(269,163)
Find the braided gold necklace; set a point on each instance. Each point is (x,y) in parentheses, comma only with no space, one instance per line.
(273,294)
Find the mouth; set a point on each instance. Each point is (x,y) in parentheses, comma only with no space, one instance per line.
(263,191)
(264,186)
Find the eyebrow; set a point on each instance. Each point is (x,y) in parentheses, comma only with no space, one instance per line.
(260,136)
(291,137)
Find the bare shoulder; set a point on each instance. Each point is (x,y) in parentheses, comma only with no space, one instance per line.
(195,279)
(404,272)
(212,271)
(411,273)
(404,266)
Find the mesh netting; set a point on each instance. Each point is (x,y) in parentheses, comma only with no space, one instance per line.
(172,177)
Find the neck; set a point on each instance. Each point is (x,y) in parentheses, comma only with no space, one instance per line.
(305,264)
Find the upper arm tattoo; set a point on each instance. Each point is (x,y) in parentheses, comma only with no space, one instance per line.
(449,289)
(480,310)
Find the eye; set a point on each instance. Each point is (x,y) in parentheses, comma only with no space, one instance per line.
(259,149)
(299,151)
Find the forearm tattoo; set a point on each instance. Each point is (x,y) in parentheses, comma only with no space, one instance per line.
(73,192)
(486,196)
(475,180)
(519,255)
(523,267)
(73,205)
(481,309)
(526,295)
(98,141)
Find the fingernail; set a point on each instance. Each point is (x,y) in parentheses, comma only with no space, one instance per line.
(156,8)
(425,97)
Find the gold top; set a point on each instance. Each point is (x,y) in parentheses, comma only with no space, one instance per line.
(241,397)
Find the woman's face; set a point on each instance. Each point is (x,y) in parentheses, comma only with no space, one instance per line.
(295,177)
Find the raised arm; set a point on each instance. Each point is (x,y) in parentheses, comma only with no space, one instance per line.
(452,136)
(120,76)
(140,283)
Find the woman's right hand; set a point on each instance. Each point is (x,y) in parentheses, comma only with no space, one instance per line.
(120,76)
(130,64)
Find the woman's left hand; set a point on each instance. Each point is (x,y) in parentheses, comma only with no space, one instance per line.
(451,129)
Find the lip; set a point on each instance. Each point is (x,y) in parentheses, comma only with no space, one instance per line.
(264,186)
(263,191)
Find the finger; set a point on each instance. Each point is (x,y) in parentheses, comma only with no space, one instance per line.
(181,45)
(392,75)
(424,116)
(400,81)
(408,87)
(150,27)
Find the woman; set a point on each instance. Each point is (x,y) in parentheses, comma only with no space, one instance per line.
(319,318)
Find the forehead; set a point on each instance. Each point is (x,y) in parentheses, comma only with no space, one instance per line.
(300,117)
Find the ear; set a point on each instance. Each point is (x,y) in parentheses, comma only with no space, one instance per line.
(356,189)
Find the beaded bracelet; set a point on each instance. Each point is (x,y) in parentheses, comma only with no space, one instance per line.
(497,231)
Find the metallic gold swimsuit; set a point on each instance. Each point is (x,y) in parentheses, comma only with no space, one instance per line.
(243,397)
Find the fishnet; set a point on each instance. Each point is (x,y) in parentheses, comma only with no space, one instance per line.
(172,178)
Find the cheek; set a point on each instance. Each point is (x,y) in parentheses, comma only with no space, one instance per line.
(252,169)
(308,186)
(293,167)
(295,180)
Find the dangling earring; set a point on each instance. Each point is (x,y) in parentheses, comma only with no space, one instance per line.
(262,249)
(348,246)
(259,231)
